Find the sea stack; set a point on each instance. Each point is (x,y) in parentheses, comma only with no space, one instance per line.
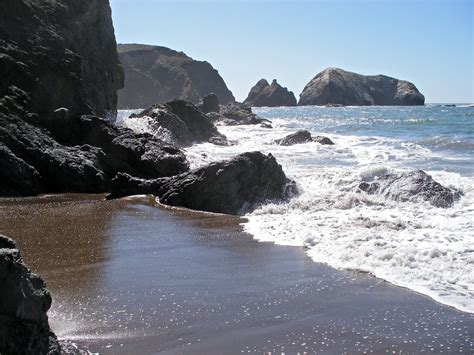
(334,86)
(264,94)
(155,74)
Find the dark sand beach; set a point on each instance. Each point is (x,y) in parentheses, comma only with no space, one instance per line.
(128,276)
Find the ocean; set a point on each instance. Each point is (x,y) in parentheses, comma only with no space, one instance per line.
(410,244)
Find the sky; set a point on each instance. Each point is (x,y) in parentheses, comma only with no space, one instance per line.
(427,42)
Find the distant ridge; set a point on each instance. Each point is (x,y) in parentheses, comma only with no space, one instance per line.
(334,86)
(155,74)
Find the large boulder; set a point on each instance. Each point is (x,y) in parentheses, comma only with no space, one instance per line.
(24,327)
(156,74)
(412,186)
(264,94)
(235,186)
(335,86)
(61,53)
(181,123)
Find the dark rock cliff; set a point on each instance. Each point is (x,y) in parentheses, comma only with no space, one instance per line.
(61,53)
(264,94)
(156,75)
(335,86)
(58,61)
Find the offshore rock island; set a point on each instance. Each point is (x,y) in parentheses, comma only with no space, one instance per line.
(334,86)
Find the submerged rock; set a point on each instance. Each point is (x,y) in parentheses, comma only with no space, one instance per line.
(24,327)
(335,86)
(264,94)
(303,137)
(181,123)
(412,186)
(235,186)
(155,74)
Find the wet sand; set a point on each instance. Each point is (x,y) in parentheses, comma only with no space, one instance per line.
(128,276)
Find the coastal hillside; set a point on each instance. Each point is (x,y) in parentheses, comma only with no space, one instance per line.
(264,94)
(156,74)
(334,86)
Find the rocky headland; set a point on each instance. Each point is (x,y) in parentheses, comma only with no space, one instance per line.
(155,75)
(334,86)
(270,95)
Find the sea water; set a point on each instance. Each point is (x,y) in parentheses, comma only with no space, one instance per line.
(410,244)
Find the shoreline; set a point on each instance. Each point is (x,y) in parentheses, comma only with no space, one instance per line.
(204,285)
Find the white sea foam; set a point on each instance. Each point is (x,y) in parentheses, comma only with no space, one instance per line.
(414,245)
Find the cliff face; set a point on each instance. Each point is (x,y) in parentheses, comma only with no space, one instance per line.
(61,53)
(337,86)
(58,60)
(264,94)
(157,74)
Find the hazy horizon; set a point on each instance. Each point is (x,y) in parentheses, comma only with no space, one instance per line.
(428,43)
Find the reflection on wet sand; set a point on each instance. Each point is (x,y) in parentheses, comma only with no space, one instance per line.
(62,237)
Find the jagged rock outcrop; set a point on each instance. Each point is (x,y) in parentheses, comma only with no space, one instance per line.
(156,75)
(335,86)
(24,327)
(412,186)
(180,122)
(264,94)
(300,137)
(235,186)
(61,54)
(77,154)
(235,114)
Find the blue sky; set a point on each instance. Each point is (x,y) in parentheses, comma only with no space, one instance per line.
(428,42)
